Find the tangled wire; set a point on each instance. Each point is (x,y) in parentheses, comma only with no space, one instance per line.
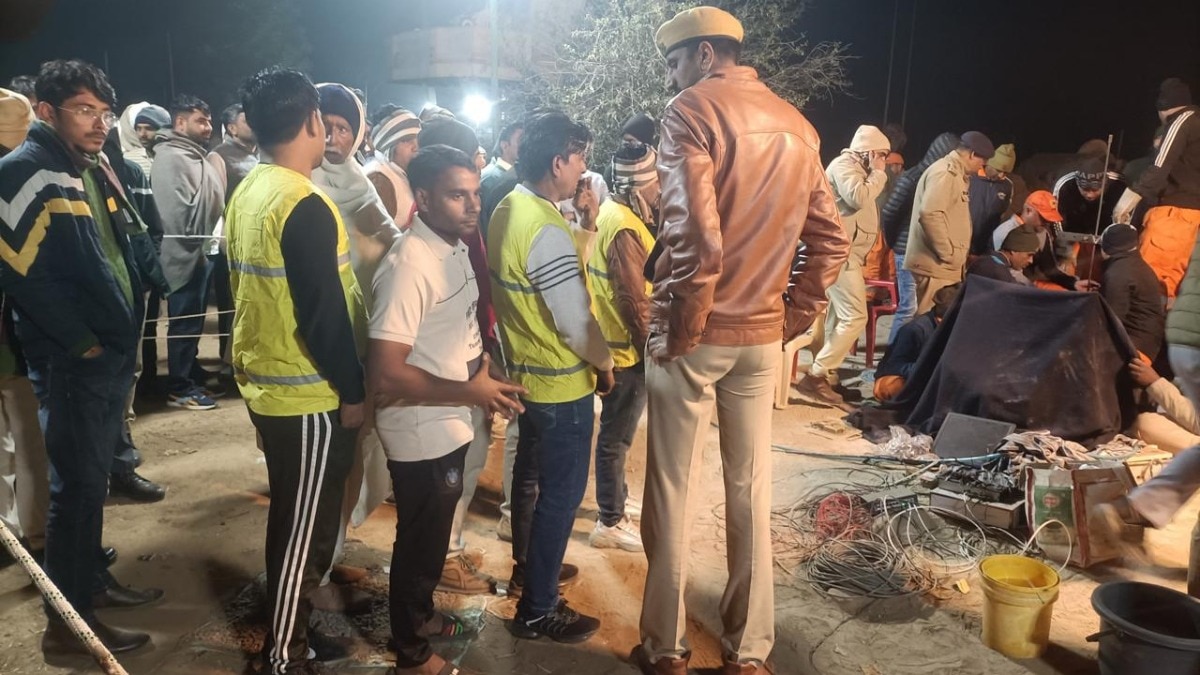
(830,538)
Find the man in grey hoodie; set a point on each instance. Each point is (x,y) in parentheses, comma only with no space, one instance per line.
(189,189)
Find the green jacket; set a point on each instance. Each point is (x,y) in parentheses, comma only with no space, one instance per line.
(1183,321)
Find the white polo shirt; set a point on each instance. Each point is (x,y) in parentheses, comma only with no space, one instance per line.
(425,297)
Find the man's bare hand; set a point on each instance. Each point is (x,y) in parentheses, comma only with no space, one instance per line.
(495,396)
(605,381)
(1143,373)
(352,415)
(586,203)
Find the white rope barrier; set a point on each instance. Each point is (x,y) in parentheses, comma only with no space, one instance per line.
(190,316)
(193,236)
(186,337)
(103,657)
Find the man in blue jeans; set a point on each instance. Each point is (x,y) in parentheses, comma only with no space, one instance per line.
(556,350)
(72,256)
(621,302)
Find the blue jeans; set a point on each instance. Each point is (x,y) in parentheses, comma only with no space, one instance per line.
(81,408)
(906,292)
(549,480)
(619,415)
(188,301)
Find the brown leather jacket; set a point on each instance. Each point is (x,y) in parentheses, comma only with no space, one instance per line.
(742,187)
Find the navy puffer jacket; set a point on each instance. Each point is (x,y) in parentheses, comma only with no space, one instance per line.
(897,211)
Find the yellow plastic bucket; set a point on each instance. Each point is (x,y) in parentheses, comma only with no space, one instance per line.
(1018,601)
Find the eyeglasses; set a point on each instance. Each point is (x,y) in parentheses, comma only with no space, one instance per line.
(105,116)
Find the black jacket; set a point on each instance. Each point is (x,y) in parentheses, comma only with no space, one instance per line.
(1079,215)
(1135,295)
(989,202)
(901,356)
(1174,178)
(897,212)
(993,266)
(141,198)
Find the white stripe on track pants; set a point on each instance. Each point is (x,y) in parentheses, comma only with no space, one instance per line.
(308,458)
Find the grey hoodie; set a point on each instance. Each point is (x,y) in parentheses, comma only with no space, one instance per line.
(189,190)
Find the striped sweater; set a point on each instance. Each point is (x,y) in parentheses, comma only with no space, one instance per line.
(1174,178)
(52,262)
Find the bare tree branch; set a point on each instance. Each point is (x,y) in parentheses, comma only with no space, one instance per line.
(609,68)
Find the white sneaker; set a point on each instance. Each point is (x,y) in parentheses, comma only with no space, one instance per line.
(504,528)
(633,508)
(624,535)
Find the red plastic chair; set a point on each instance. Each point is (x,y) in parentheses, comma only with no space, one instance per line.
(875,311)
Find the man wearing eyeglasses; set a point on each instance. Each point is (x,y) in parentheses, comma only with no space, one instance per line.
(71,251)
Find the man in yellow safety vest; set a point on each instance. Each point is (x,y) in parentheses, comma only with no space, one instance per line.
(621,302)
(556,350)
(298,330)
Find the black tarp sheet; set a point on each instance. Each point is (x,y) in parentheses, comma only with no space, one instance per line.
(1044,360)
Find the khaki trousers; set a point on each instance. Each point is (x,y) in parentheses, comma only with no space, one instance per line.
(927,287)
(740,381)
(844,321)
(1159,430)
(24,465)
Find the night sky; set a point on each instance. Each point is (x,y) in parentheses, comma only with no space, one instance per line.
(1045,74)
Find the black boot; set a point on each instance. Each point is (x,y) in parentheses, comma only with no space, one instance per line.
(135,487)
(59,640)
(112,595)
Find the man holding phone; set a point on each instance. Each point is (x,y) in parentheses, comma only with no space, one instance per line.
(554,348)
(858,176)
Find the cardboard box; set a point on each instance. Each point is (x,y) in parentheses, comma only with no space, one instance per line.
(1068,496)
(1147,464)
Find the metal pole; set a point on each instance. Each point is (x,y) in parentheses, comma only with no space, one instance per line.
(887,98)
(171,64)
(1100,209)
(912,41)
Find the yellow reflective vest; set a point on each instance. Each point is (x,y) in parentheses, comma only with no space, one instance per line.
(535,355)
(613,219)
(274,371)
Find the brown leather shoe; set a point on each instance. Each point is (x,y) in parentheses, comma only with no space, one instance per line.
(348,574)
(663,666)
(816,390)
(460,575)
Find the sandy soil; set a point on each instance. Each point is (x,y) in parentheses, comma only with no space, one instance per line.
(203,544)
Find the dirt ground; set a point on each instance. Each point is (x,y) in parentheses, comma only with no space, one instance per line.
(203,545)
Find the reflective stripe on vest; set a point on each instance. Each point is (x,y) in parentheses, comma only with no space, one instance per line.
(259,270)
(285,380)
(275,372)
(537,357)
(613,219)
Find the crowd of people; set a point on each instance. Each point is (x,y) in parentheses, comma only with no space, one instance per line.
(386,296)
